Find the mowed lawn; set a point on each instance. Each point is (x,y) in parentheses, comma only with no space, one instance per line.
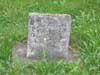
(85,36)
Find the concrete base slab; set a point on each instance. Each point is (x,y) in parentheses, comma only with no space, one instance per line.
(20,50)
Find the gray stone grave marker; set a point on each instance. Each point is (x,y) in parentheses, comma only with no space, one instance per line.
(49,32)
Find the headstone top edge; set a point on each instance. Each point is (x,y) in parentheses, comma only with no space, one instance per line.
(50,14)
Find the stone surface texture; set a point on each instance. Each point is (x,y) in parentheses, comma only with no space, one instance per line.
(49,32)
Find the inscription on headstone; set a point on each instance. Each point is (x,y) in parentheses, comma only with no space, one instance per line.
(49,32)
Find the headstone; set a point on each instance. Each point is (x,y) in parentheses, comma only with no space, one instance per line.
(48,34)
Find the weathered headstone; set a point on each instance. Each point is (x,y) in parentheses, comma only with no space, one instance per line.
(49,32)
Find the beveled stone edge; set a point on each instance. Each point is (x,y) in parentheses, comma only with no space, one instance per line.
(49,14)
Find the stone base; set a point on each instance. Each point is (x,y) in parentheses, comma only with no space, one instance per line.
(19,51)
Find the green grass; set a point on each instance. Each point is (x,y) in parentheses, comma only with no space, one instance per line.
(85,36)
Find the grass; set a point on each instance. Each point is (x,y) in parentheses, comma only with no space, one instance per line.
(85,36)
